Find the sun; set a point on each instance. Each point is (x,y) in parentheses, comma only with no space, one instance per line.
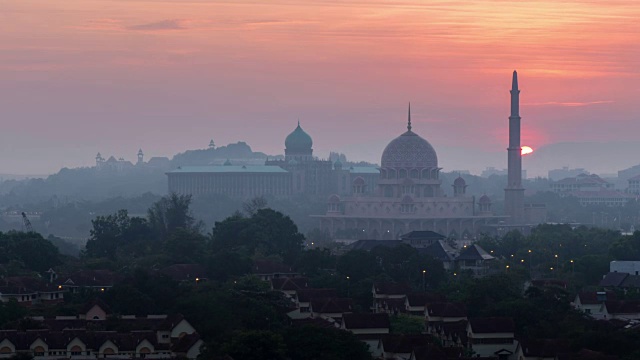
(526,150)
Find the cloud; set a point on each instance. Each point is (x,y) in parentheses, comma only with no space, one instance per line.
(169,24)
(571,104)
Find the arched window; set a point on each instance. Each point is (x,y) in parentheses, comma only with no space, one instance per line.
(402,173)
(38,351)
(76,350)
(5,350)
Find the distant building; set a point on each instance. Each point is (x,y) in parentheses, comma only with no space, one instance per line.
(408,197)
(634,185)
(489,171)
(298,173)
(581,182)
(121,165)
(590,190)
(565,172)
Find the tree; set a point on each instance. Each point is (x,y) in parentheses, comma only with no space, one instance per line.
(185,245)
(314,343)
(358,265)
(252,206)
(255,345)
(170,213)
(28,249)
(267,232)
(116,232)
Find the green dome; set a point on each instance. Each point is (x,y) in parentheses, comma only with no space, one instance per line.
(298,140)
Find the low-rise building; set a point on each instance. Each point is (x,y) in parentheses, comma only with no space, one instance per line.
(369,328)
(492,337)
(86,337)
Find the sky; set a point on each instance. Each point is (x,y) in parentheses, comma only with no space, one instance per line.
(79,77)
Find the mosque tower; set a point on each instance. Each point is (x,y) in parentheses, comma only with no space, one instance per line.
(514,193)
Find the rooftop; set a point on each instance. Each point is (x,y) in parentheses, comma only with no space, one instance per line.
(229,169)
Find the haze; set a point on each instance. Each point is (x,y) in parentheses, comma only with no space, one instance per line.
(113,76)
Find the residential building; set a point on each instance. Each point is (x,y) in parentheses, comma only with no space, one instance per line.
(84,337)
(369,328)
(492,337)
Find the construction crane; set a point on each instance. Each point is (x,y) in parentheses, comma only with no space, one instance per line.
(26,223)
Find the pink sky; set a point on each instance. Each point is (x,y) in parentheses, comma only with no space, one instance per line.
(82,76)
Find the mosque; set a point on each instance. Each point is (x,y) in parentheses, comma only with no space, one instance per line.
(404,194)
(409,196)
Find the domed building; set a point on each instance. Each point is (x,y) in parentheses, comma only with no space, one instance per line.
(298,146)
(408,197)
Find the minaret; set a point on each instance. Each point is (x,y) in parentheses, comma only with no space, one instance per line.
(409,122)
(514,193)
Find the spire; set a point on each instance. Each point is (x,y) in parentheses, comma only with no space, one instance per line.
(515,96)
(409,123)
(298,122)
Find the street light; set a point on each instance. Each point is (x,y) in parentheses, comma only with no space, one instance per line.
(530,264)
(424,272)
(571,266)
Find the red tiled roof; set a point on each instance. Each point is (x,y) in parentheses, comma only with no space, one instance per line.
(331,305)
(492,325)
(446,309)
(421,299)
(306,295)
(591,297)
(388,288)
(623,307)
(396,343)
(366,321)
(289,284)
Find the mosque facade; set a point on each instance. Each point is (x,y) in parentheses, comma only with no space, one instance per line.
(408,197)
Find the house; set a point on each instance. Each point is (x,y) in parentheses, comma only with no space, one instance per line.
(369,245)
(331,309)
(395,346)
(86,336)
(185,272)
(95,310)
(422,238)
(591,303)
(92,280)
(303,299)
(492,337)
(267,270)
(369,328)
(451,334)
(440,250)
(444,312)
(415,302)
(540,349)
(549,283)
(289,286)
(621,310)
(429,352)
(389,297)
(30,290)
(474,258)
